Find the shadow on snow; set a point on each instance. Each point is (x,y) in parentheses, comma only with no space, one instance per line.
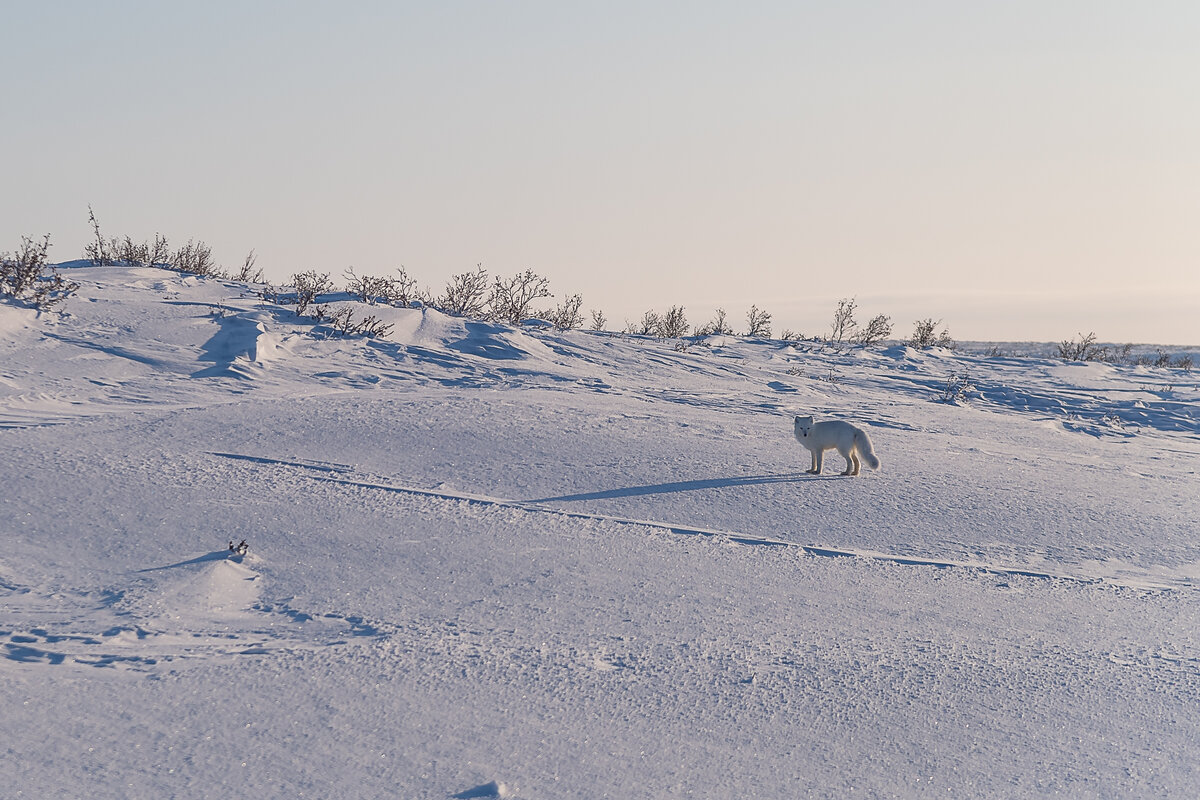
(675,486)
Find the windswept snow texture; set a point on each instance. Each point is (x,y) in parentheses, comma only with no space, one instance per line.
(524,563)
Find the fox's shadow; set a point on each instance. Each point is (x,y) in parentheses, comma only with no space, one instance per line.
(676,486)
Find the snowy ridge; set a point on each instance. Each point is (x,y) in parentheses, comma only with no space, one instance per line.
(489,561)
(1117,574)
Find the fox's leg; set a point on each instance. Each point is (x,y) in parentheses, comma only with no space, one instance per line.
(851,461)
(816,462)
(854,457)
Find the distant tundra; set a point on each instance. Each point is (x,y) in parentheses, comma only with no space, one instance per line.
(847,439)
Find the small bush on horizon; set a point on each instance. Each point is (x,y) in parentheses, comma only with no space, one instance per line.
(343,323)
(27,277)
(566,315)
(369,289)
(512,300)
(466,294)
(193,258)
(670,325)
(718,326)
(648,326)
(309,285)
(843,320)
(876,330)
(599,321)
(249,273)
(758,323)
(844,328)
(924,335)
(1083,348)
(673,324)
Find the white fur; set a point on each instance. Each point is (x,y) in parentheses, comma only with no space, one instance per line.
(847,439)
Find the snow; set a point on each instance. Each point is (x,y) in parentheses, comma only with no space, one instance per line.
(525,563)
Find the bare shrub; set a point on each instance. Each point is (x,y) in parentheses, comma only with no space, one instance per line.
(648,326)
(196,258)
(131,253)
(758,323)
(160,252)
(466,293)
(566,315)
(718,325)
(843,320)
(272,294)
(366,288)
(309,285)
(672,324)
(957,389)
(1083,348)
(125,251)
(1184,363)
(878,329)
(405,288)
(599,321)
(249,273)
(342,321)
(372,290)
(25,276)
(512,300)
(97,251)
(1124,354)
(925,336)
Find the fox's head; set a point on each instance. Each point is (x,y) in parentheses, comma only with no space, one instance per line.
(803,425)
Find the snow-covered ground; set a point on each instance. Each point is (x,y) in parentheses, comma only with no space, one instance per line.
(488,561)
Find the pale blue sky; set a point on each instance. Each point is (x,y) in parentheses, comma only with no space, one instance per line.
(1022,170)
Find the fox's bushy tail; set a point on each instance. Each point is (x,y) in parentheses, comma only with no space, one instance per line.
(863,443)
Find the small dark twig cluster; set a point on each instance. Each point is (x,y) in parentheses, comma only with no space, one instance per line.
(194,258)
(957,388)
(310,285)
(343,322)
(466,294)
(718,326)
(673,324)
(1082,349)
(758,323)
(512,300)
(370,289)
(925,336)
(25,276)
(567,314)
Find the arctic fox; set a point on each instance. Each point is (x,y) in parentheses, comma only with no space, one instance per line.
(848,440)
